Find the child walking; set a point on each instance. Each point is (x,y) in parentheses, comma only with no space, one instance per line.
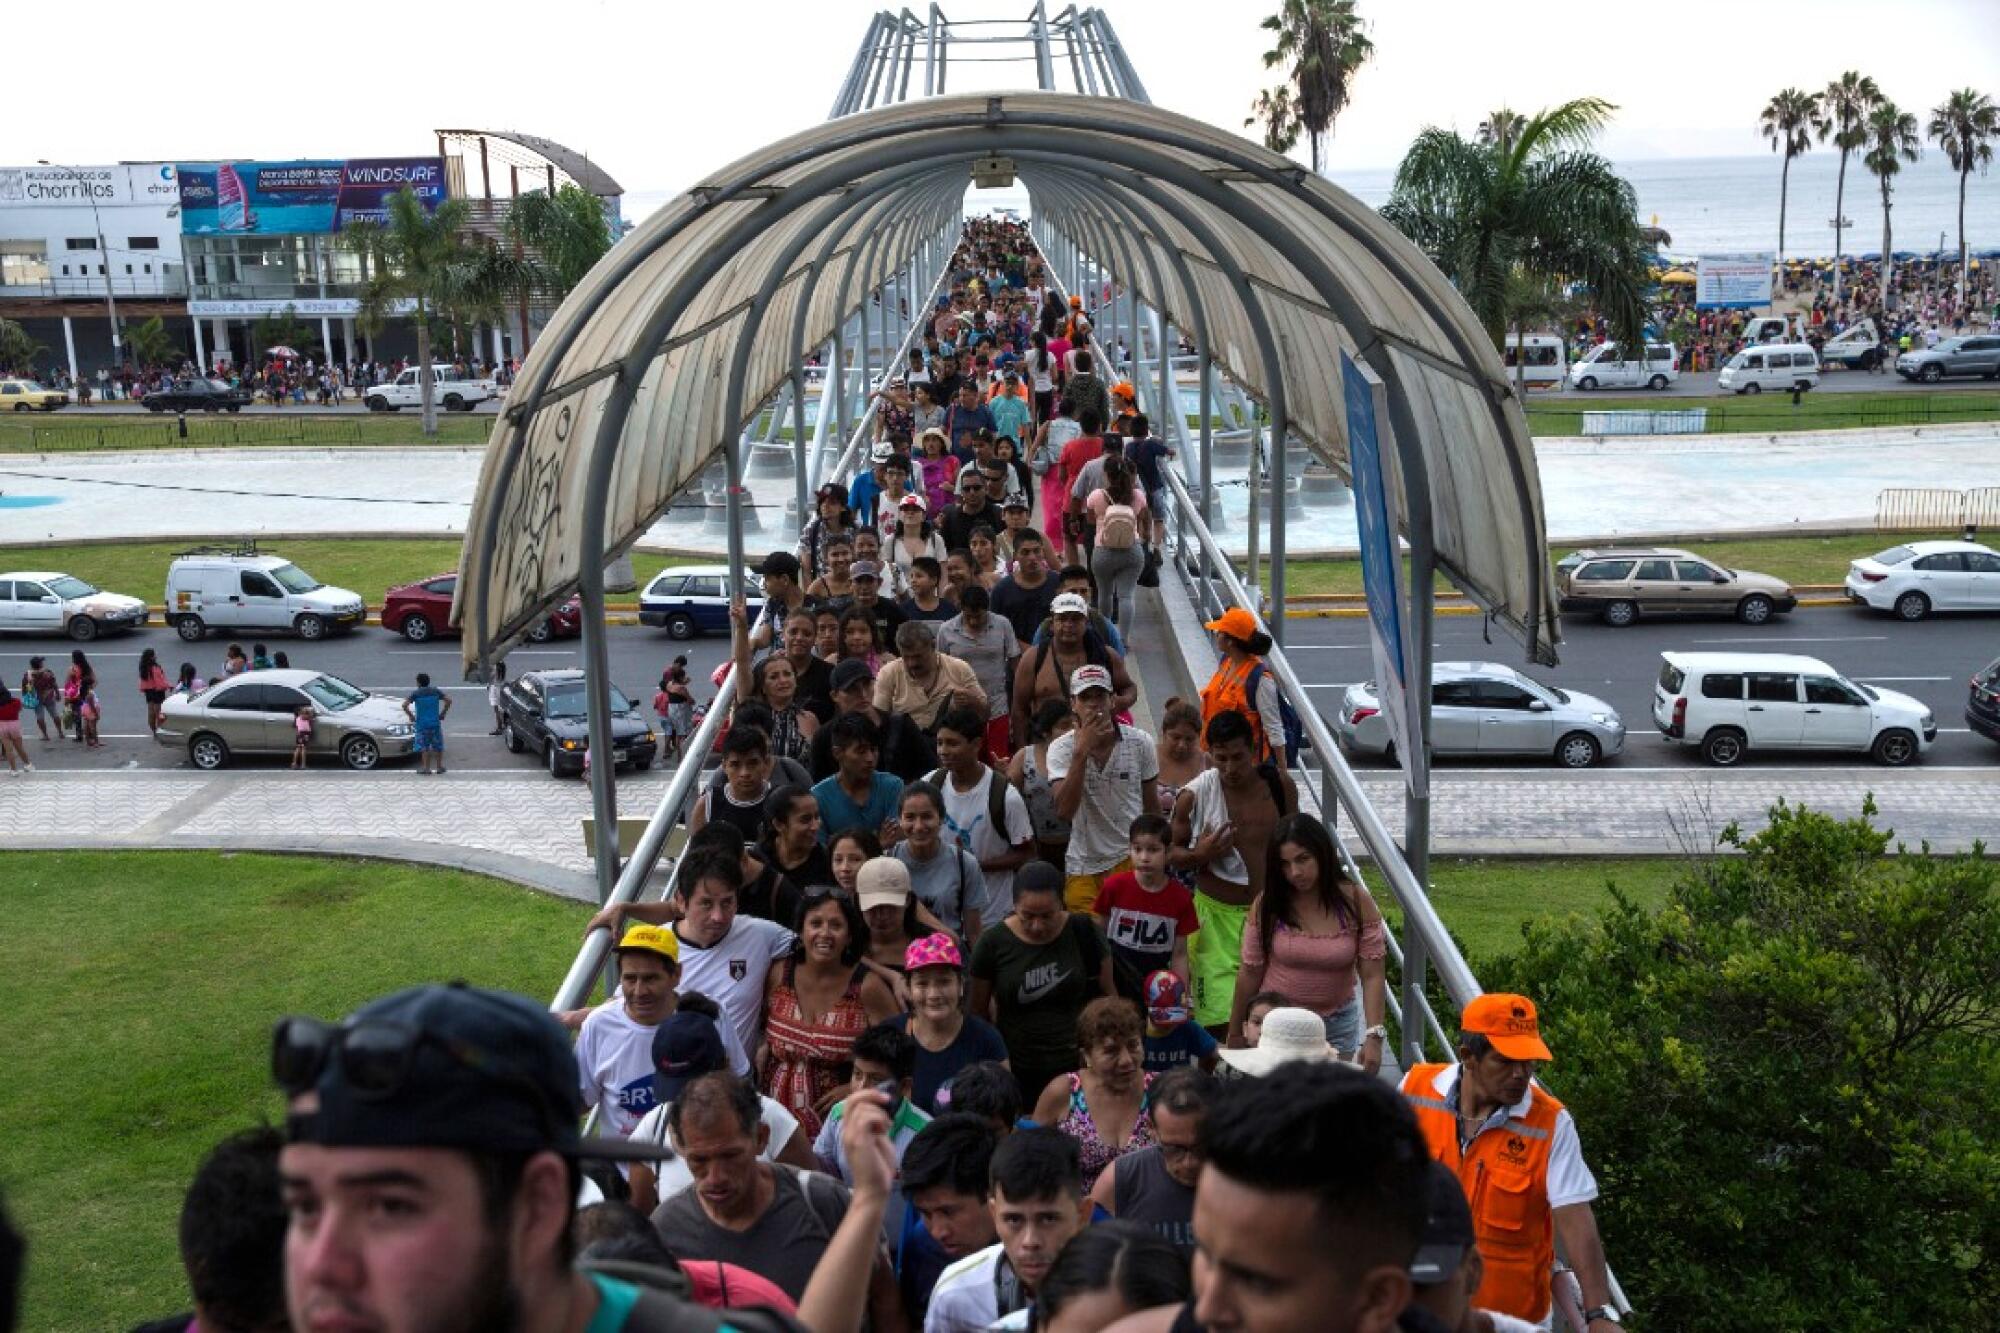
(302,734)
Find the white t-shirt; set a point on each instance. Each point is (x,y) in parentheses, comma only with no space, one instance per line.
(673,1174)
(966,1295)
(968,818)
(1100,834)
(731,971)
(614,1063)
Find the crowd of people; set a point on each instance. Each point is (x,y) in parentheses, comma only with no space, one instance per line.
(974,1005)
(290,378)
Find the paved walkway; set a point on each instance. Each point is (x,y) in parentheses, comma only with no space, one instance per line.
(529,828)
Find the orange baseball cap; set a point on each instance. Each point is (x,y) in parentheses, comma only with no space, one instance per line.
(1509,1022)
(1235,622)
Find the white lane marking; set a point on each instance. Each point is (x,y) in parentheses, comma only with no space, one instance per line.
(1777,645)
(1887,678)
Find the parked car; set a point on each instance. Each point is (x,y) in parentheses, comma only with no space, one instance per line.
(30,396)
(422,610)
(1856,347)
(1729,704)
(254,713)
(211,588)
(1624,583)
(1483,708)
(1779,367)
(197,396)
(452,391)
(1602,367)
(45,602)
(694,599)
(1982,707)
(1917,578)
(547,711)
(1973,354)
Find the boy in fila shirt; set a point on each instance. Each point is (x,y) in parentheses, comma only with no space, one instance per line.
(1146,915)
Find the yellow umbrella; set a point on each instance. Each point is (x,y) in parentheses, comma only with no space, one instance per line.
(1680,277)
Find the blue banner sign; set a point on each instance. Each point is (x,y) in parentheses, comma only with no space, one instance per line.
(286,198)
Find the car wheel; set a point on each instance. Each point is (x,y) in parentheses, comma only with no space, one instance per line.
(642,763)
(236,407)
(208,407)
(1587,383)
(1753,387)
(514,742)
(377,403)
(310,627)
(680,626)
(190,628)
(1895,748)
(20,407)
(1912,606)
(1620,614)
(417,628)
(82,628)
(1657,383)
(156,407)
(1931,374)
(541,633)
(1754,609)
(1870,360)
(454,403)
(1723,747)
(1577,750)
(207,751)
(360,753)
(555,765)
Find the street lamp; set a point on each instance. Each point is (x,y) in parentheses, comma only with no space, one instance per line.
(103,260)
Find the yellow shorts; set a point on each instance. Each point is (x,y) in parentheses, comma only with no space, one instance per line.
(1080,891)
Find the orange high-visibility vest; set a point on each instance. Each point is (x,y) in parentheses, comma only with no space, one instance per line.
(1506,1178)
(1229,689)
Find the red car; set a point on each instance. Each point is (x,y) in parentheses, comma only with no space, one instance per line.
(419,610)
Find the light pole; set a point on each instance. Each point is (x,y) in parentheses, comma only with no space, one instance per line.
(103,259)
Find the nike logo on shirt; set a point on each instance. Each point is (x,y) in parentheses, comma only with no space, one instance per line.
(1041,981)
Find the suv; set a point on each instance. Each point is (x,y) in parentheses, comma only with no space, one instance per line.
(546,711)
(1970,355)
(1484,708)
(1731,703)
(694,599)
(1625,583)
(242,589)
(422,610)
(1982,708)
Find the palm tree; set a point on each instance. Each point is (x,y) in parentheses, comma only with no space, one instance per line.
(17,350)
(556,240)
(1321,45)
(1502,127)
(1965,125)
(152,346)
(1279,115)
(1543,210)
(1787,122)
(1842,113)
(1892,141)
(420,261)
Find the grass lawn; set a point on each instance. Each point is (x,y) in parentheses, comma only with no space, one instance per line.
(1562,413)
(140,988)
(369,567)
(1486,901)
(74,431)
(1797,560)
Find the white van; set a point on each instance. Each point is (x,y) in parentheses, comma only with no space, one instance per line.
(1729,704)
(1540,357)
(241,590)
(1779,367)
(1602,368)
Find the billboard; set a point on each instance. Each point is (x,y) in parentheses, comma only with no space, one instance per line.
(1733,281)
(104,186)
(281,198)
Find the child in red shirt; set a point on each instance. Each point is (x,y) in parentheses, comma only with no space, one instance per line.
(1147,916)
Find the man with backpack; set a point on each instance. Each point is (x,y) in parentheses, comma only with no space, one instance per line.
(1045,671)
(1243,684)
(982,812)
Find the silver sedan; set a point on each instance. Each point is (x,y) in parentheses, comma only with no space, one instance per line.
(257,713)
(1483,708)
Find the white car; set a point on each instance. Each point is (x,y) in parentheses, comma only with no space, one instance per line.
(1728,704)
(243,591)
(1484,708)
(1601,367)
(45,602)
(1917,578)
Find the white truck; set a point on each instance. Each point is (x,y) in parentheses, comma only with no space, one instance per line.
(1856,347)
(454,391)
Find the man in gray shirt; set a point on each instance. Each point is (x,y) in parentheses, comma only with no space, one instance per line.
(989,647)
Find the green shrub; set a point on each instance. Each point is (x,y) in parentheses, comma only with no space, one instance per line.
(1786,1080)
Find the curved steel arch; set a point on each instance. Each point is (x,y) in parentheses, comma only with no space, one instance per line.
(1396,308)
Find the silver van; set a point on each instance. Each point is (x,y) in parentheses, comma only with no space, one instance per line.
(1779,367)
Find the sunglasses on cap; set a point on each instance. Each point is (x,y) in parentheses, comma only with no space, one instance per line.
(376,1059)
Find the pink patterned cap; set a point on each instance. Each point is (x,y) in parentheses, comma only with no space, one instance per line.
(938,950)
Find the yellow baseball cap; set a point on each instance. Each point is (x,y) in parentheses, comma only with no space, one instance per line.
(653,939)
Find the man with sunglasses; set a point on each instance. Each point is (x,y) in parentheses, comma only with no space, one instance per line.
(431,1174)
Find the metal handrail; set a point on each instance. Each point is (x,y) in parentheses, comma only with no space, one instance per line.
(844,465)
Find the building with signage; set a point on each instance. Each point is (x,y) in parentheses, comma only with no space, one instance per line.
(85,251)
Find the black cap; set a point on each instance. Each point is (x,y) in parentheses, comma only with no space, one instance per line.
(685,1046)
(1447,1229)
(849,672)
(486,1071)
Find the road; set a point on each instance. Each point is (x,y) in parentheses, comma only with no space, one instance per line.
(1931,660)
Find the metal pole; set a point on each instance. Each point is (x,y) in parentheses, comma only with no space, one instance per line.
(1280,429)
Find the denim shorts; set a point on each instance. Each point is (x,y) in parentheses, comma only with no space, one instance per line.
(1343,1026)
(430,740)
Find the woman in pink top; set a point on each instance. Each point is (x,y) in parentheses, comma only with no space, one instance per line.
(1316,935)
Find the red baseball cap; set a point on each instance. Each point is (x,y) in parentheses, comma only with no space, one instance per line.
(1509,1022)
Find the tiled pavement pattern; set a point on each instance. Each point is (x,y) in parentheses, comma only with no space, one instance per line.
(528,827)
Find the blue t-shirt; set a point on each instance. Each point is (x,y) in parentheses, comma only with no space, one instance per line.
(1188,1044)
(615,1301)
(838,812)
(428,704)
(1146,455)
(977,1040)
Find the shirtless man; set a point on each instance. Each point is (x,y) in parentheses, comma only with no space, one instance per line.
(1043,671)
(1223,822)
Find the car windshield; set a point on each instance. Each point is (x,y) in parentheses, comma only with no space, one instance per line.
(1562,696)
(33,386)
(1737,362)
(568,701)
(1867,690)
(293,579)
(1895,555)
(1570,561)
(332,693)
(1990,676)
(216,386)
(63,585)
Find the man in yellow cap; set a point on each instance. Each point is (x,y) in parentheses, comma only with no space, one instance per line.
(1515,1150)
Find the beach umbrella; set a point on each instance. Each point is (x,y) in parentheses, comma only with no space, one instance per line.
(1678,277)
(282,351)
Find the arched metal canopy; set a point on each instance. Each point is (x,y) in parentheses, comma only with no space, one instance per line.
(628,393)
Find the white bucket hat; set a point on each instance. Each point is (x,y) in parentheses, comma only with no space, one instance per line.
(1287,1035)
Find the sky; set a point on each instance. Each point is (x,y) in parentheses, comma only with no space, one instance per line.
(660,92)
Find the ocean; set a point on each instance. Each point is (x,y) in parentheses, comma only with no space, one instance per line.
(1712,205)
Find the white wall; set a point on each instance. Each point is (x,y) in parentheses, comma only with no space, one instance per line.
(52,205)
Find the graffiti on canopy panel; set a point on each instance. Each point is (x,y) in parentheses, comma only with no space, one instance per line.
(532,524)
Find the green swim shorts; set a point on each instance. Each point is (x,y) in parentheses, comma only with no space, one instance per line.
(1218,953)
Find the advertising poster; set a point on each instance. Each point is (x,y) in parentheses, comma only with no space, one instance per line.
(1733,281)
(278,198)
